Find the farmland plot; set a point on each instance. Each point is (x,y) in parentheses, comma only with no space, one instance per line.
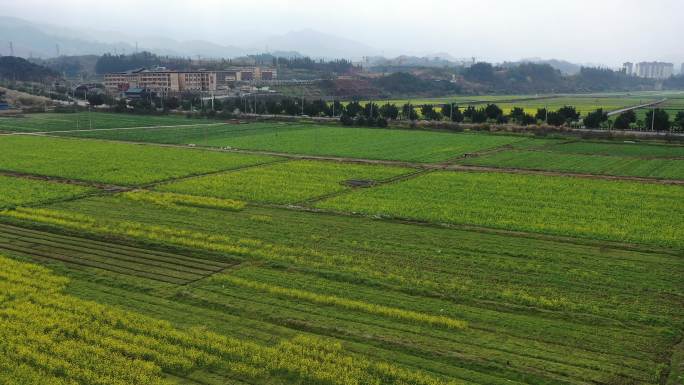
(83,121)
(18,191)
(604,158)
(580,163)
(288,182)
(610,210)
(354,142)
(124,164)
(570,312)
(641,150)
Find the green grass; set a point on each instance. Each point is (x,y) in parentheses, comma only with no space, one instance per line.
(18,191)
(125,164)
(603,158)
(619,149)
(386,144)
(581,163)
(537,311)
(84,120)
(597,209)
(283,183)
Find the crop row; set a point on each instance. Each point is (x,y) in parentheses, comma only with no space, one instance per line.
(172,200)
(136,262)
(341,302)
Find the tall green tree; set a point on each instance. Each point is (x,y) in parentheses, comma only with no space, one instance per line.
(389,111)
(493,111)
(594,119)
(624,120)
(659,122)
(429,113)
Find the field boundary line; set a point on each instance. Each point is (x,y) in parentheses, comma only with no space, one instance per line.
(531,171)
(63,180)
(149,186)
(112,129)
(642,157)
(394,179)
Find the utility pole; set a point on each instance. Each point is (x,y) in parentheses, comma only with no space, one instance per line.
(653,118)
(11,46)
(546,114)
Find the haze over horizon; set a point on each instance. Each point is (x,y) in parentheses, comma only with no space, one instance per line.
(607,32)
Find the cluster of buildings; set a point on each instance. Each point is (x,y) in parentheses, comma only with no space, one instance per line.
(162,80)
(650,70)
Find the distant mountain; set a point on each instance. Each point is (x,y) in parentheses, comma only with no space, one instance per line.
(563,66)
(16,68)
(31,39)
(317,44)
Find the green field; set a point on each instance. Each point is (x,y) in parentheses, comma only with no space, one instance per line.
(289,182)
(619,149)
(20,192)
(208,267)
(387,144)
(377,292)
(611,210)
(602,158)
(125,164)
(83,121)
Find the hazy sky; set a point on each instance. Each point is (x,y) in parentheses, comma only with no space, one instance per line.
(589,31)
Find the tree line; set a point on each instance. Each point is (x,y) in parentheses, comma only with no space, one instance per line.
(374,114)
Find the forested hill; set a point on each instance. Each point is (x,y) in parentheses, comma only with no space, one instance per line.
(16,68)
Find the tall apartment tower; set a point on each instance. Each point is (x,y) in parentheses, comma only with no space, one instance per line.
(654,70)
(628,68)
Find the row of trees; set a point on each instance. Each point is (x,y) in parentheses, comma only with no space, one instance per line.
(656,119)
(373,114)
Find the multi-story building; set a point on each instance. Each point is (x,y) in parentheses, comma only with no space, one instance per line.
(628,68)
(160,80)
(654,70)
(245,74)
(681,70)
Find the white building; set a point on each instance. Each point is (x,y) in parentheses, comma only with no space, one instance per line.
(628,68)
(654,70)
